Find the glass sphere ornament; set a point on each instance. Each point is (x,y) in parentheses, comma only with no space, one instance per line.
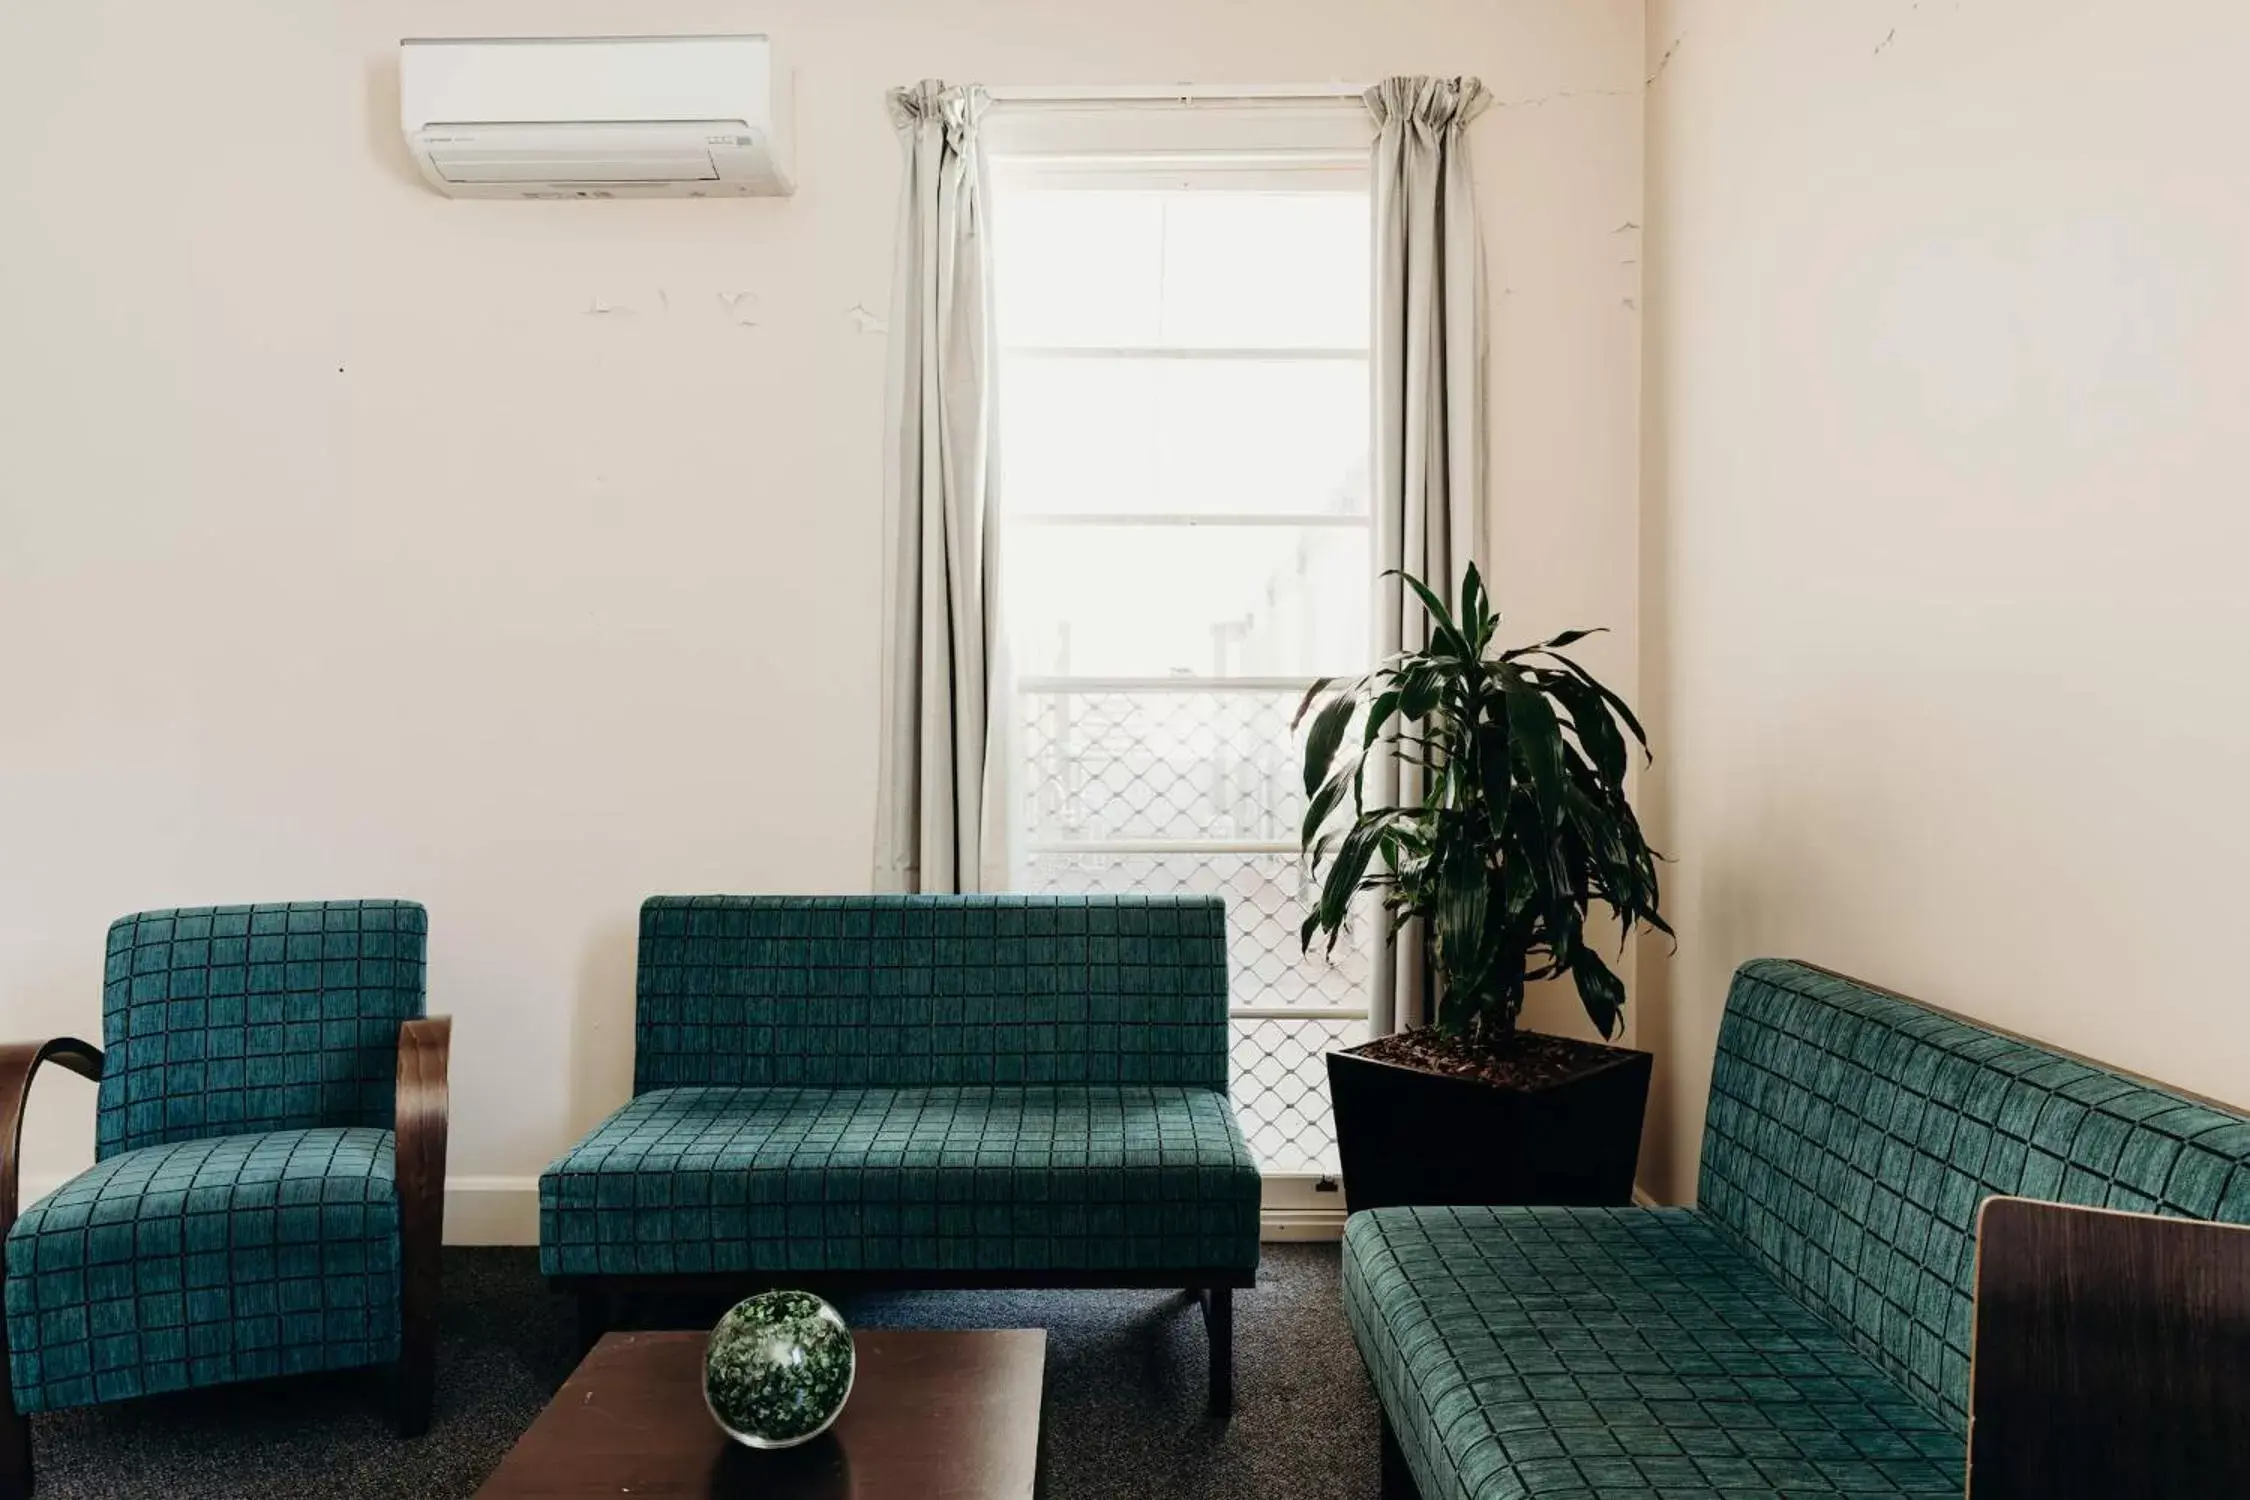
(778,1369)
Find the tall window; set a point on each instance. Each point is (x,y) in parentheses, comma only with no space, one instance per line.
(1184,463)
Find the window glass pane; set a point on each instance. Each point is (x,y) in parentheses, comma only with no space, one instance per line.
(1172,436)
(1266,270)
(1079,435)
(1196,269)
(1078,268)
(1169,601)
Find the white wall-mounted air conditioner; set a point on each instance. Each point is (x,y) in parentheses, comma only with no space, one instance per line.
(597,117)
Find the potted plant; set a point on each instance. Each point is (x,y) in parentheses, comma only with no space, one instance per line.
(1522,827)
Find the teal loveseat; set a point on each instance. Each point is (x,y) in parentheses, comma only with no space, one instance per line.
(1805,1330)
(918,1091)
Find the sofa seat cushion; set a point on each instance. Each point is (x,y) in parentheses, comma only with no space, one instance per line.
(202,1262)
(1564,1354)
(1000,1179)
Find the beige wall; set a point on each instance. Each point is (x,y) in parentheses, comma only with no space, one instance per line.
(1946,627)
(345,551)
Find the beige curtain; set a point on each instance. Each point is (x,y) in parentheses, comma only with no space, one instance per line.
(1429,343)
(941,801)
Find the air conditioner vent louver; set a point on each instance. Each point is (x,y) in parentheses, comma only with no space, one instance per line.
(573,154)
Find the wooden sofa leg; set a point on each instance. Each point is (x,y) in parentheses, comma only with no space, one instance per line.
(593,1320)
(1218,1325)
(414,1379)
(15,1443)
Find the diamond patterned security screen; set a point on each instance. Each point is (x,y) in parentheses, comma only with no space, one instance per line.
(1194,789)
(1184,454)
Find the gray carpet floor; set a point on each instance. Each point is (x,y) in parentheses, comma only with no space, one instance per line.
(1124,1400)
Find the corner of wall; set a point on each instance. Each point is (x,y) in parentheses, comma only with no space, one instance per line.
(1659,1033)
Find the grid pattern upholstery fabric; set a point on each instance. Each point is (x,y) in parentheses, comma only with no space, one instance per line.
(228,1020)
(1625,1354)
(205,1261)
(1805,1330)
(1852,1136)
(1080,1179)
(918,991)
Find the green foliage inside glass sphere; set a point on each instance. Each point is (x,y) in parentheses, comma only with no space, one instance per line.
(778,1368)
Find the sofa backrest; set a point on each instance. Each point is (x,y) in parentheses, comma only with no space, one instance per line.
(832,991)
(232,1020)
(1853,1135)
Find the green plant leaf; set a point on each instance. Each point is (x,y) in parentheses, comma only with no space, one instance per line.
(1477,621)
(1326,734)
(1564,928)
(1495,773)
(1554,643)
(1379,713)
(1324,802)
(1464,894)
(1420,688)
(1623,711)
(1355,689)
(1600,991)
(1589,716)
(1346,871)
(1518,890)
(1443,630)
(1535,740)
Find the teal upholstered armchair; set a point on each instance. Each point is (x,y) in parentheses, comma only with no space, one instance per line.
(268,1188)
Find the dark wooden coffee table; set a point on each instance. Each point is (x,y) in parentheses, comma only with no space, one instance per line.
(931,1413)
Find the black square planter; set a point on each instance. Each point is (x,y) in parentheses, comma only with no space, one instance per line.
(1411,1137)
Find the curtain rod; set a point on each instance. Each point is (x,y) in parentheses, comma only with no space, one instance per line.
(1066,95)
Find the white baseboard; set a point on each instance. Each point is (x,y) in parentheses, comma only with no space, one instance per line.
(1286,1225)
(492,1210)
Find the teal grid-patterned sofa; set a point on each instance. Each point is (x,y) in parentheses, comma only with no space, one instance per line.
(1805,1330)
(267,1192)
(919,1091)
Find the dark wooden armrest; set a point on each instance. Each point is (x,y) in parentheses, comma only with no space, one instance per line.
(2110,1355)
(18,1062)
(424,1048)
